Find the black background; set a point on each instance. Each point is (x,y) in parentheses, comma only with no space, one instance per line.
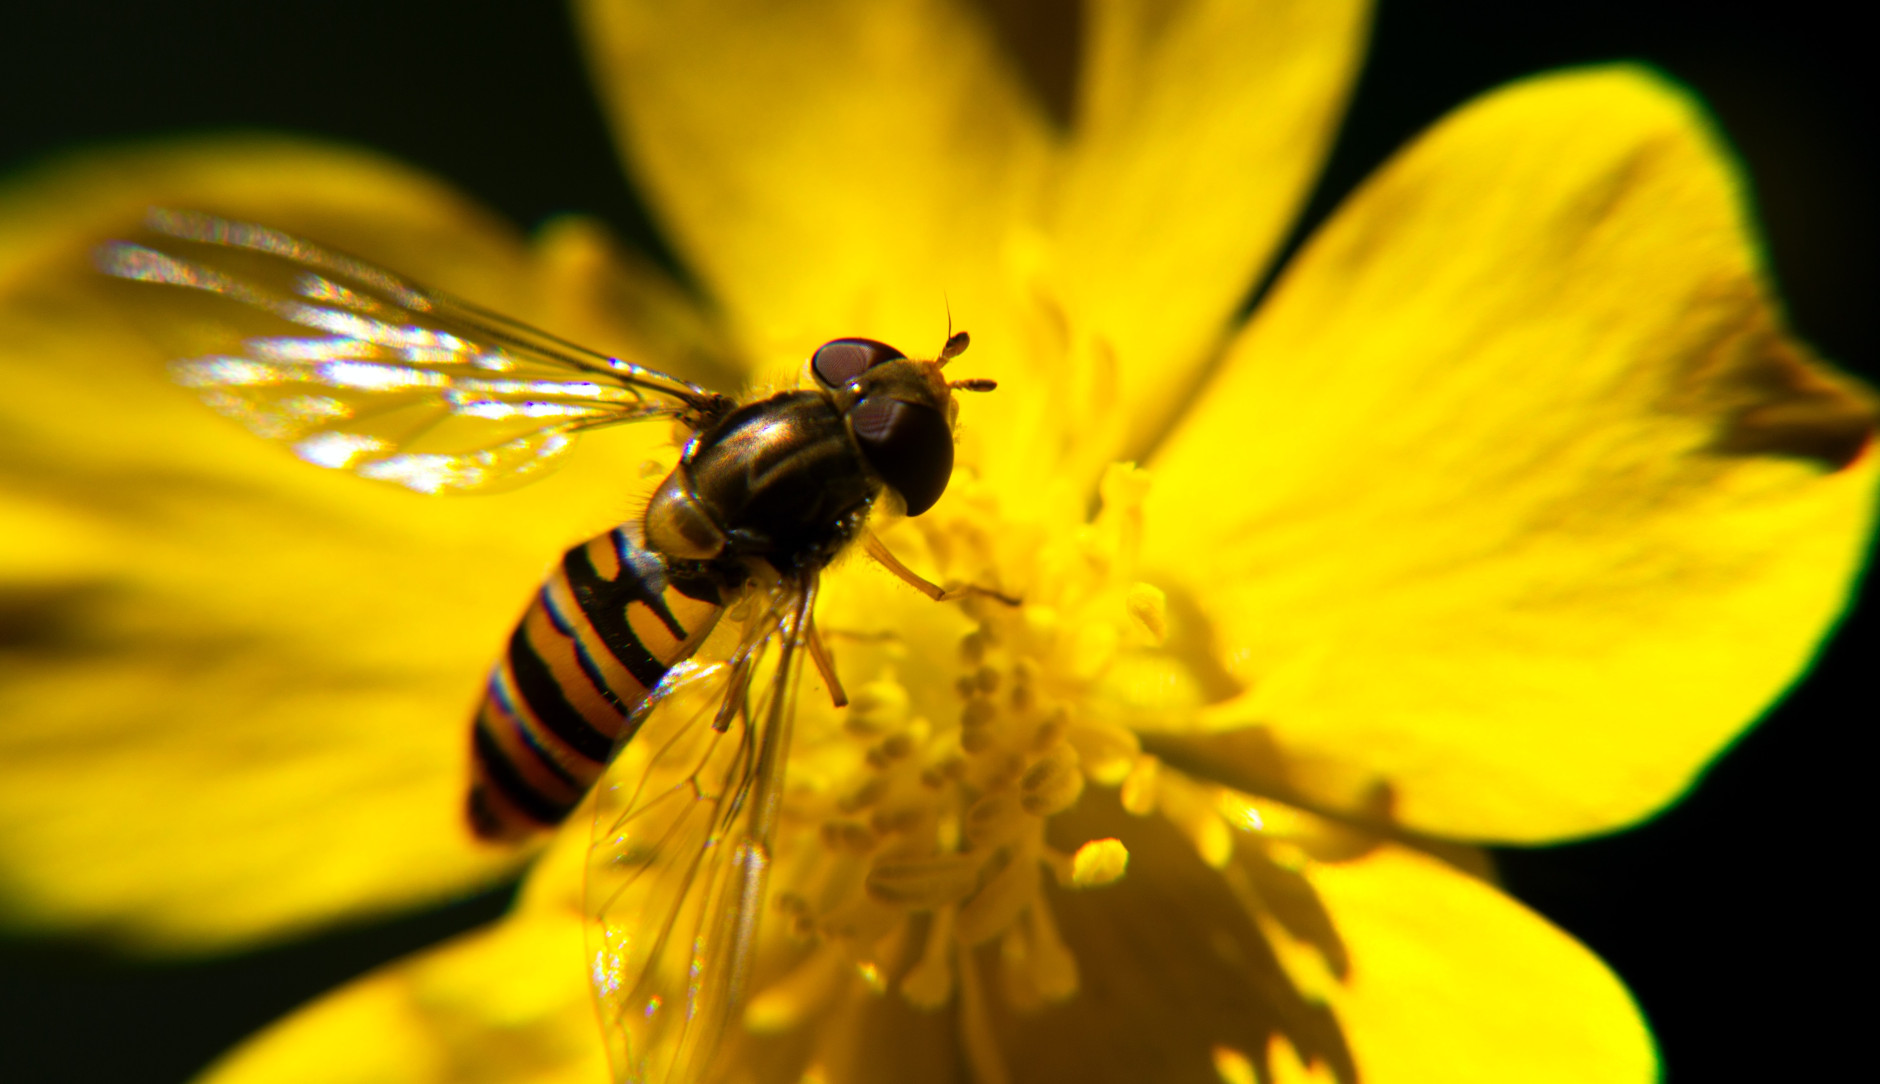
(1732,917)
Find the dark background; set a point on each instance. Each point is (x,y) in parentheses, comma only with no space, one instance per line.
(1731,917)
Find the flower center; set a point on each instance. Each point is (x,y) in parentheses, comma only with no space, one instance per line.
(915,827)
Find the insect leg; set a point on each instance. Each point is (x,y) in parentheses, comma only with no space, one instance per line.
(826,666)
(737,900)
(744,663)
(920,583)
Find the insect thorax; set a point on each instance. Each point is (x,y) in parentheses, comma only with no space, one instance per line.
(777,480)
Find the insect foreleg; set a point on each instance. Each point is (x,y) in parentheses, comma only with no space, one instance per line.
(920,583)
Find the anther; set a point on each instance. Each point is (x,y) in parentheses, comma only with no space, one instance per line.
(1053,784)
(1098,862)
(887,823)
(888,751)
(1147,605)
(989,819)
(877,705)
(1007,772)
(1051,731)
(863,796)
(847,836)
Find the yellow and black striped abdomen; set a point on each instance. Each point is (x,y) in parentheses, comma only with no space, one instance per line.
(602,631)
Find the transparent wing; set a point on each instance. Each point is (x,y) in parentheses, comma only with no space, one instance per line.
(358,369)
(681,849)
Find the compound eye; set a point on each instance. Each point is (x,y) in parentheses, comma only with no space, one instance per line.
(909,445)
(839,361)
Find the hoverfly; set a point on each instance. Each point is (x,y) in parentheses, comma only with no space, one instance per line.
(361,369)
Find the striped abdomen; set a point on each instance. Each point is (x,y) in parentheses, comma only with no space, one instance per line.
(601,633)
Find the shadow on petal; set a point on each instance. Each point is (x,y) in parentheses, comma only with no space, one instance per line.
(1172,965)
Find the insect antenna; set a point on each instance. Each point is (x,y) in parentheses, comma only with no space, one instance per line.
(956,344)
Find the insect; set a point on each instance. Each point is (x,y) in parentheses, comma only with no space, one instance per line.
(358,369)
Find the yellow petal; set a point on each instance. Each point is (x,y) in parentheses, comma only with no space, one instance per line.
(1385,966)
(827,168)
(1516,498)
(877,168)
(234,689)
(1171,966)
(854,167)
(1451,980)
(1200,127)
(504,1005)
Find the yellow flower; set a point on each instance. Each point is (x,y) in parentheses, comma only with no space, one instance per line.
(1510,507)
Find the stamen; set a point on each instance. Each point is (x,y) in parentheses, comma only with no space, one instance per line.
(929,983)
(1039,967)
(1099,862)
(1148,608)
(787,1002)
(997,905)
(862,797)
(1053,784)
(1234,1067)
(1109,752)
(1192,809)
(848,836)
(1139,786)
(992,820)
(877,707)
(923,884)
(1051,731)
(925,829)
(1286,1064)
(982,1043)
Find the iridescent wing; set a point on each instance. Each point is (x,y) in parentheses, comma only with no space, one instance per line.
(681,849)
(358,369)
